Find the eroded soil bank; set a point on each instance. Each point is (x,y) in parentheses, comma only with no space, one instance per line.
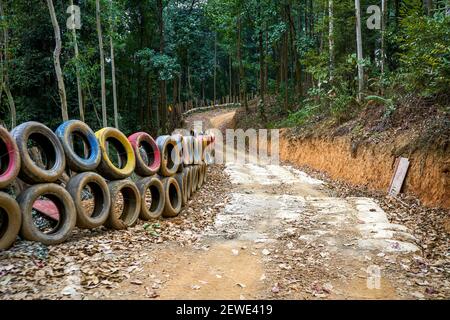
(372,165)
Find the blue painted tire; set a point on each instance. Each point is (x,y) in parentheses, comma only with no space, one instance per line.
(65,133)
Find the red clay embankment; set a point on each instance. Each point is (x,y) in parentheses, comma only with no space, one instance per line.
(372,165)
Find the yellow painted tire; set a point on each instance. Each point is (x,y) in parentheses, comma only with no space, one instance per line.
(126,154)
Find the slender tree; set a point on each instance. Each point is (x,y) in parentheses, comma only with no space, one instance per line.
(215,67)
(113,66)
(4,72)
(359,49)
(77,68)
(162,82)
(57,62)
(102,62)
(383,35)
(331,37)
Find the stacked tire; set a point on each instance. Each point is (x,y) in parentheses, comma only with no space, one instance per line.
(149,185)
(74,177)
(117,164)
(10,216)
(43,163)
(171,173)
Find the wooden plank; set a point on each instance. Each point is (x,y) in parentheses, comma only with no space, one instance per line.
(400,171)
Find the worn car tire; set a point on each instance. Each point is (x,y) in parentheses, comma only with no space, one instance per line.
(156,188)
(102,199)
(9,158)
(205,173)
(188,171)
(173,197)
(131,206)
(120,142)
(179,141)
(30,172)
(143,142)
(67,213)
(182,180)
(170,160)
(197,146)
(10,220)
(195,176)
(201,176)
(65,133)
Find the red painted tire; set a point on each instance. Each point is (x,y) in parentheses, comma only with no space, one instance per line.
(143,143)
(9,158)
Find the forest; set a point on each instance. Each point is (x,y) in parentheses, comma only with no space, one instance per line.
(136,64)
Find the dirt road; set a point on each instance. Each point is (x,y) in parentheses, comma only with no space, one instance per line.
(280,236)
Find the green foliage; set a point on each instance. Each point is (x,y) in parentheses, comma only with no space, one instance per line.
(425,56)
(182,57)
(166,66)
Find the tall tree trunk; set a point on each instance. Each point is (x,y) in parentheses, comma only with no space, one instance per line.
(140,110)
(242,82)
(266,67)
(77,71)
(230,71)
(261,68)
(113,75)
(285,77)
(293,37)
(102,63)
(149,101)
(57,62)
(359,49)
(4,62)
(429,6)
(215,68)
(162,83)
(179,88)
(383,35)
(331,38)
(113,69)
(175,90)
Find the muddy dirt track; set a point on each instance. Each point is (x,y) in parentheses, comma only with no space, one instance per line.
(255,231)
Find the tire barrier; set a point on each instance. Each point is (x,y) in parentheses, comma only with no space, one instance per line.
(90,145)
(205,173)
(170,160)
(194,170)
(49,162)
(10,220)
(188,182)
(58,230)
(183,183)
(188,150)
(126,158)
(131,205)
(9,158)
(179,140)
(201,176)
(197,150)
(154,187)
(99,190)
(60,179)
(173,195)
(148,157)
